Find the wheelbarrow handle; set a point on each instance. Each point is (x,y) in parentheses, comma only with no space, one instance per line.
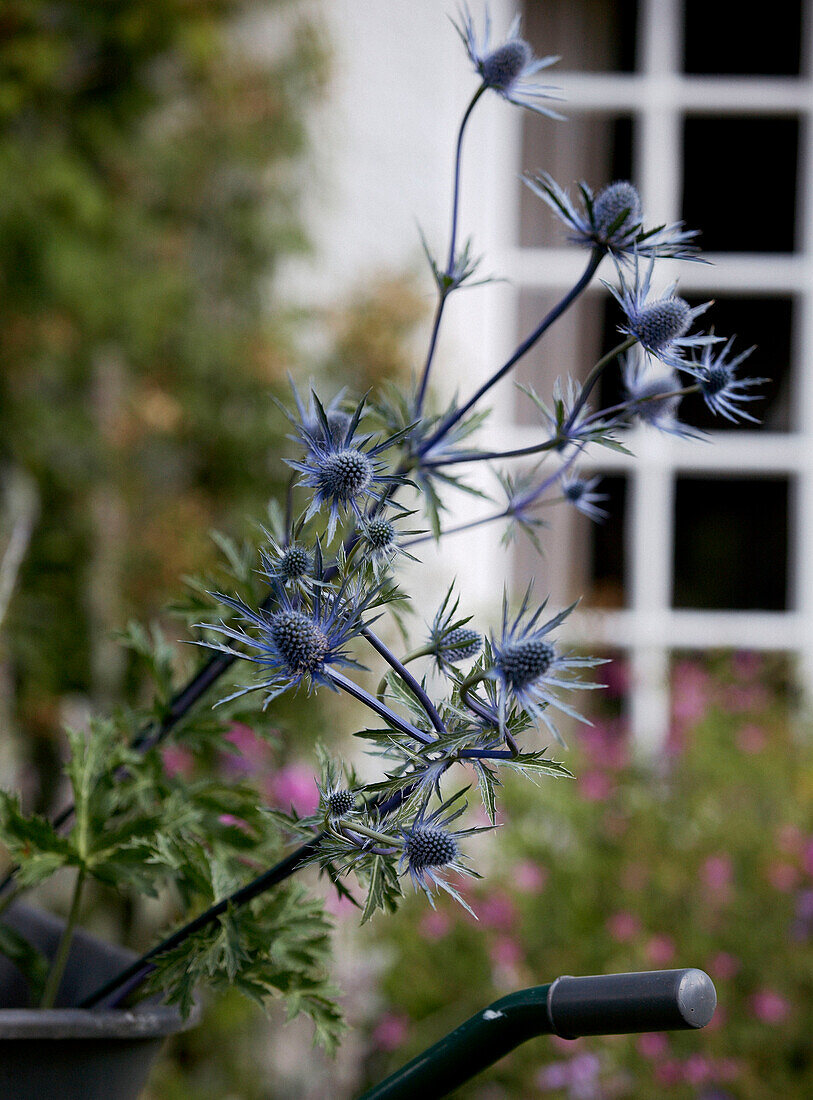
(605,1004)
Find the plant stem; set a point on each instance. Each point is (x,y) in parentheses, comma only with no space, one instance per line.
(380,708)
(382,838)
(423,651)
(61,958)
(408,678)
(456,185)
(433,340)
(594,376)
(487,456)
(596,257)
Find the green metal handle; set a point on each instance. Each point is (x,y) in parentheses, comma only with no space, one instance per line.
(606,1004)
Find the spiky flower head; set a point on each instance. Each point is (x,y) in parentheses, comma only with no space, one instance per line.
(580,492)
(659,325)
(345,473)
(286,564)
(509,68)
(721,390)
(300,642)
(460,645)
(380,534)
(450,639)
(651,394)
(299,638)
(430,846)
(339,802)
(612,220)
(528,665)
(617,211)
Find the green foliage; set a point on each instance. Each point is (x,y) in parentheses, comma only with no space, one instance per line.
(145,200)
(278,946)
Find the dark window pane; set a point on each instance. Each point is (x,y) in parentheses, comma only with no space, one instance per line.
(589,35)
(596,148)
(765,322)
(768,45)
(731,539)
(606,582)
(739,184)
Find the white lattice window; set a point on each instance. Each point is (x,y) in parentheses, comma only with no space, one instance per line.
(706,544)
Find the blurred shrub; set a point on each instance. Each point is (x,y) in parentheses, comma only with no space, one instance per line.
(147,194)
(705,860)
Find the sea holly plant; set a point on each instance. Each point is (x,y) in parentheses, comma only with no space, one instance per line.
(313,605)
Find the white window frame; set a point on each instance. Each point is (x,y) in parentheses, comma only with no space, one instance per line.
(658,96)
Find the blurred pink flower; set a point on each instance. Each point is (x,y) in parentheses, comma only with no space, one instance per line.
(690,691)
(728,1069)
(724,966)
(623,926)
(718,1019)
(652,1045)
(595,786)
(529,877)
(230,819)
(605,743)
(747,663)
(696,1069)
(790,839)
(252,752)
(390,1031)
(505,951)
(435,924)
(294,785)
(807,857)
(497,911)
(668,1072)
(660,950)
(178,761)
(782,876)
(769,1007)
(718,874)
(751,739)
(339,905)
(750,698)
(616,676)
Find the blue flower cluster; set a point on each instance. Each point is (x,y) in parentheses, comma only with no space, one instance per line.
(330,563)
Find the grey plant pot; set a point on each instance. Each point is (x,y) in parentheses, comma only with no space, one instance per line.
(69,1053)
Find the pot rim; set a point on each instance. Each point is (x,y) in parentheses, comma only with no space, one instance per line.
(149,1022)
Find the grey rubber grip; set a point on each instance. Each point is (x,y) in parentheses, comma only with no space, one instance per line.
(616,1004)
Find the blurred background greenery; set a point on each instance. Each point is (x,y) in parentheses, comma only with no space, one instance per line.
(151,172)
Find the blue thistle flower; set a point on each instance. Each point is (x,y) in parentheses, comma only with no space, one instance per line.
(286,565)
(298,640)
(650,393)
(343,471)
(660,326)
(528,666)
(450,639)
(580,492)
(509,68)
(382,540)
(337,802)
(430,847)
(721,391)
(613,220)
